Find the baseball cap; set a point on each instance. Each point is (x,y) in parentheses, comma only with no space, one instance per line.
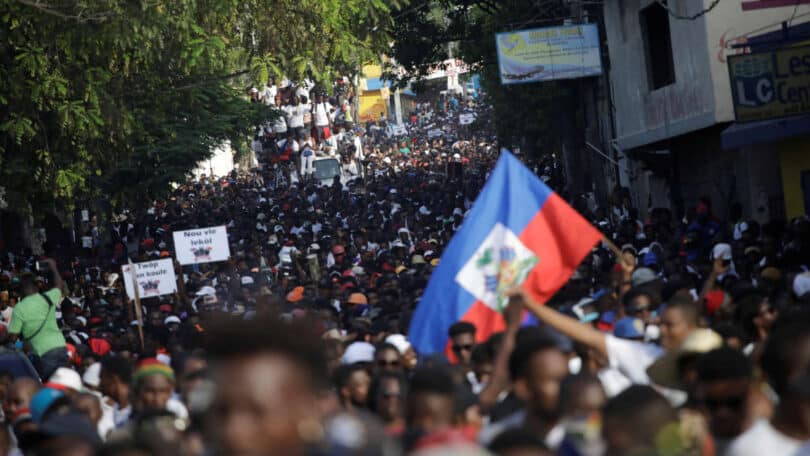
(358,352)
(207,290)
(721,251)
(400,342)
(641,276)
(357,298)
(42,401)
(71,424)
(801,284)
(296,294)
(629,328)
(65,379)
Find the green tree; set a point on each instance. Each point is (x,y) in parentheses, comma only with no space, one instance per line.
(117,99)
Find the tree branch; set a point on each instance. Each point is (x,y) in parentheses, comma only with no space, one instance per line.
(210,80)
(51,10)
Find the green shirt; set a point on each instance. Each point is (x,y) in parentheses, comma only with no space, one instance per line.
(405,151)
(28,316)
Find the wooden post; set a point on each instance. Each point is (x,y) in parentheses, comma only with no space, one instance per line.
(137,303)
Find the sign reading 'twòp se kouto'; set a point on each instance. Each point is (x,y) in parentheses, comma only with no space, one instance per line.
(155,278)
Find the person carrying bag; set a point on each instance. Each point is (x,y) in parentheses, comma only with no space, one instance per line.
(34,321)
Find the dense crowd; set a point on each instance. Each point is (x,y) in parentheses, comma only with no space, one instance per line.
(691,338)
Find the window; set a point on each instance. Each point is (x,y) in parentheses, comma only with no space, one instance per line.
(657,45)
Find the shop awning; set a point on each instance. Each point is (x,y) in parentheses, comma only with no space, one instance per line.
(764,131)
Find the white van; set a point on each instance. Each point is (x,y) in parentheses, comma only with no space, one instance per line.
(326,168)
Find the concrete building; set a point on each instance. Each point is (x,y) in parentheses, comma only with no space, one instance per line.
(673,102)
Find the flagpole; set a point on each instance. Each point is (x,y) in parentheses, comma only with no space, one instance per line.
(613,248)
(137,304)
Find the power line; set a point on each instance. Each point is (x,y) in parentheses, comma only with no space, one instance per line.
(692,17)
(795,9)
(763,28)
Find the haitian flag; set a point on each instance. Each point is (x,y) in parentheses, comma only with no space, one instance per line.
(518,233)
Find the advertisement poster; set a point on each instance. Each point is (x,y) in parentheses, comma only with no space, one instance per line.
(546,54)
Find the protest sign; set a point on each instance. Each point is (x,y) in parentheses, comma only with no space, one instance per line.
(203,245)
(399,130)
(466,119)
(434,133)
(155,278)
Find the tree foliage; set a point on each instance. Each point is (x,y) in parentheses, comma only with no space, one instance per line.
(118,98)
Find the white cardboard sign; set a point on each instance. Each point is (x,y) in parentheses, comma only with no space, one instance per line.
(203,245)
(155,278)
(399,130)
(434,133)
(466,119)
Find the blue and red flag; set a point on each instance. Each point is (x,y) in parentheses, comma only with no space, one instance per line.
(518,233)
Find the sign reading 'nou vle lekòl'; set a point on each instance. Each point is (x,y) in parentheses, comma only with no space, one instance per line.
(202,245)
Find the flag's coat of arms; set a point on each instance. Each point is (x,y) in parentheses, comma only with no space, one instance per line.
(518,233)
(500,263)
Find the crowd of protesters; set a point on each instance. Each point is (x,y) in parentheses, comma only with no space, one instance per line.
(695,340)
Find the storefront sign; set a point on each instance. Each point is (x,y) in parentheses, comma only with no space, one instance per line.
(770,84)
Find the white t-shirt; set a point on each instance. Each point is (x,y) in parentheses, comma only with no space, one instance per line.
(358,148)
(613,381)
(295,116)
(269,94)
(632,358)
(322,114)
(286,253)
(763,439)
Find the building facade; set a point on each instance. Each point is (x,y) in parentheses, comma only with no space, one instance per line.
(672,103)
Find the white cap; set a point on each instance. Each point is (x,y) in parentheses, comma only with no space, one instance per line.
(721,251)
(399,341)
(164,358)
(172,319)
(65,378)
(801,284)
(207,291)
(358,352)
(92,375)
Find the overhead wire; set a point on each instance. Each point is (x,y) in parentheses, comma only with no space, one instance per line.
(690,17)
